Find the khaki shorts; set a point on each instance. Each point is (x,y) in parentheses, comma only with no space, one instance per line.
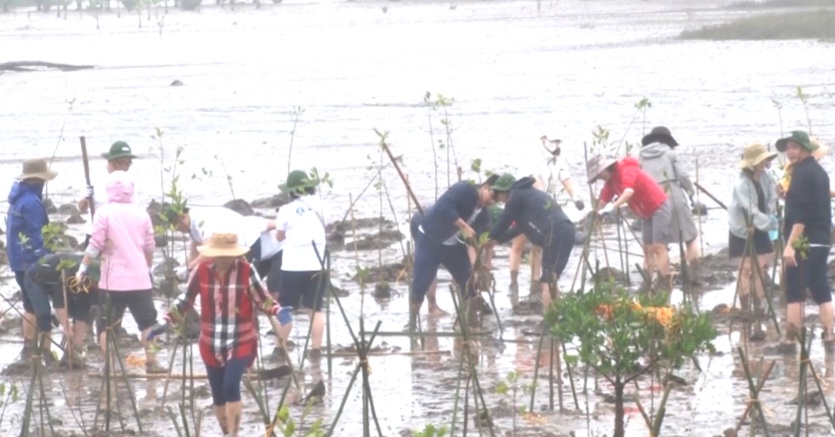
(657,229)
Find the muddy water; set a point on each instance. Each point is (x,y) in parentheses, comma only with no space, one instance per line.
(516,70)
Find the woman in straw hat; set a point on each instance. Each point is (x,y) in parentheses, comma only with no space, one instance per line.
(751,215)
(229,290)
(24,237)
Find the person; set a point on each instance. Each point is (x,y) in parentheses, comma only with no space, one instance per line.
(256,233)
(807,222)
(50,279)
(229,291)
(658,159)
(542,221)
(647,200)
(438,238)
(547,177)
(123,236)
(301,227)
(751,216)
(119,158)
(481,223)
(24,236)
(820,151)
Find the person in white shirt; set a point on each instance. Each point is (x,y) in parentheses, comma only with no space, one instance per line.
(549,173)
(256,233)
(301,227)
(119,157)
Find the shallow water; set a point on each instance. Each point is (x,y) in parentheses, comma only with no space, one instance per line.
(515,70)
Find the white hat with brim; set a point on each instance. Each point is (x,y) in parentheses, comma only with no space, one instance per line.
(36,169)
(222,245)
(596,165)
(754,154)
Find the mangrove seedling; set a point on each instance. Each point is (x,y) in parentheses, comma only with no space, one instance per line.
(615,331)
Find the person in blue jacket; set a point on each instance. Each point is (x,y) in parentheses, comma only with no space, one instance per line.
(542,221)
(440,234)
(24,235)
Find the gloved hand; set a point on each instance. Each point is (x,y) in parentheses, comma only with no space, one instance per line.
(181,273)
(89,192)
(774,222)
(283,314)
(606,210)
(81,273)
(579,204)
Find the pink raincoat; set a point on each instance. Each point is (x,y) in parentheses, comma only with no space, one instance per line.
(123,234)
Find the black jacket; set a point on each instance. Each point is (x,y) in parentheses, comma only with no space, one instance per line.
(536,214)
(46,272)
(807,202)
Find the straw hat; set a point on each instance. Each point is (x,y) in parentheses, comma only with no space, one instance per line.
(596,165)
(754,154)
(36,169)
(222,245)
(820,149)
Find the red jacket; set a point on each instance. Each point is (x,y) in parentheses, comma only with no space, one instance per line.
(648,195)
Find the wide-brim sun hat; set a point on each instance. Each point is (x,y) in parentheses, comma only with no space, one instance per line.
(797,136)
(659,134)
(596,165)
(297,180)
(36,169)
(504,182)
(119,149)
(222,244)
(754,154)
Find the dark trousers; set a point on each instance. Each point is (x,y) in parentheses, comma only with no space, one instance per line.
(428,257)
(225,381)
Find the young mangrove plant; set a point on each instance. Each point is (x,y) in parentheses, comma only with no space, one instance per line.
(614,332)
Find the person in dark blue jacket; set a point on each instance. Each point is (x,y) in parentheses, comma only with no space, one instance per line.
(541,220)
(24,235)
(481,224)
(439,238)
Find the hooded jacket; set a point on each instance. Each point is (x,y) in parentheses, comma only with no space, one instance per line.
(24,225)
(648,195)
(536,214)
(459,201)
(659,161)
(124,236)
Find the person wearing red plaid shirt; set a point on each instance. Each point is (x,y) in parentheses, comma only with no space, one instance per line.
(229,290)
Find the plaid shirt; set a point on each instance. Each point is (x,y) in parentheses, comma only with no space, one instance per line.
(227,321)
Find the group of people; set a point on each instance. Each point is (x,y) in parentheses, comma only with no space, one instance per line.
(237,265)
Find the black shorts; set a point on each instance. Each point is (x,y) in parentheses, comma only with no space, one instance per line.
(810,274)
(309,288)
(762,244)
(80,305)
(555,255)
(140,303)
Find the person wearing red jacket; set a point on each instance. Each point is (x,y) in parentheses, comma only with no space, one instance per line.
(625,180)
